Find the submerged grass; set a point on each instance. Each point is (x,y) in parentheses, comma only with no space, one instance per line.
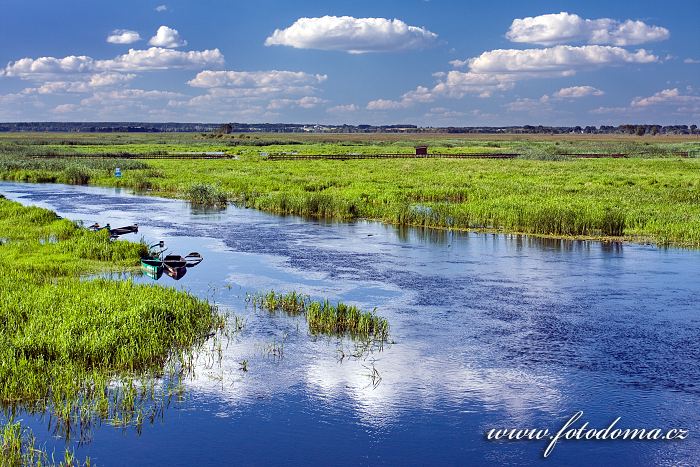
(85,350)
(19,447)
(325,318)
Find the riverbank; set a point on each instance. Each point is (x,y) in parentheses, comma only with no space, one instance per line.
(84,350)
(650,198)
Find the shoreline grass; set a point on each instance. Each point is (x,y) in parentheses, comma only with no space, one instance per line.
(205,194)
(85,351)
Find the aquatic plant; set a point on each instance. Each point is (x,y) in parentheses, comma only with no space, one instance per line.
(18,447)
(77,174)
(324,318)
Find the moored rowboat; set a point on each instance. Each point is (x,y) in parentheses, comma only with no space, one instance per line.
(152,267)
(193,259)
(173,263)
(176,274)
(123,230)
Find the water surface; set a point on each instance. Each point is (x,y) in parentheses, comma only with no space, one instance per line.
(488,331)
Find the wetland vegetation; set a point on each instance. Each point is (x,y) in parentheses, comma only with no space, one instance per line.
(323,318)
(651,196)
(84,351)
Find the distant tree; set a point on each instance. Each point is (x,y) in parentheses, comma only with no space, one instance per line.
(225,129)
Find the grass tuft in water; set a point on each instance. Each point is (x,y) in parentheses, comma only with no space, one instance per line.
(18,447)
(324,318)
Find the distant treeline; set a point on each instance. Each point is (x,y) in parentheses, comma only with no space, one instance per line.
(137,127)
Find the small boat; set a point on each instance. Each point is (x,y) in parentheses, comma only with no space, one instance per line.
(123,230)
(152,267)
(176,274)
(175,266)
(193,259)
(97,227)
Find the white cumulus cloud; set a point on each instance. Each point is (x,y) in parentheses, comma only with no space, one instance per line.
(222,79)
(499,70)
(260,92)
(168,38)
(443,113)
(352,35)
(566,28)
(341,109)
(161,8)
(122,95)
(306,102)
(386,104)
(561,58)
(27,67)
(666,96)
(82,84)
(154,58)
(575,92)
(529,105)
(123,36)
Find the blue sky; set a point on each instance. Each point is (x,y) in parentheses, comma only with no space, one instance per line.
(431,63)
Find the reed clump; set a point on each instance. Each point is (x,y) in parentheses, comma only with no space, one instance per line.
(327,319)
(206,194)
(76,174)
(340,319)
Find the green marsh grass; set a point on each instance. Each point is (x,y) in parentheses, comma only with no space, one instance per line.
(323,318)
(19,448)
(85,351)
(205,194)
(650,197)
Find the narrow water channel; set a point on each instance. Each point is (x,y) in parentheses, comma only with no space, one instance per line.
(489,331)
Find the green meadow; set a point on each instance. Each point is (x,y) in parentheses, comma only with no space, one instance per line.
(651,196)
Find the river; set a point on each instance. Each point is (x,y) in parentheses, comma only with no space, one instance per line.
(488,331)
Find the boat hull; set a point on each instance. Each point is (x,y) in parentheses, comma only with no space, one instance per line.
(152,268)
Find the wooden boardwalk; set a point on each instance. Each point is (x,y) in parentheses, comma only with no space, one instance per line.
(337,157)
(135,156)
(345,157)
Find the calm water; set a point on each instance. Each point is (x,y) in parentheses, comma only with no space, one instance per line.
(490,331)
